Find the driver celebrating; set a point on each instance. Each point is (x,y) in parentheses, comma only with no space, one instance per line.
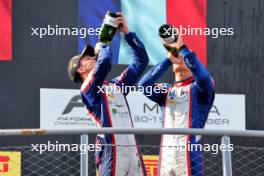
(186,104)
(120,155)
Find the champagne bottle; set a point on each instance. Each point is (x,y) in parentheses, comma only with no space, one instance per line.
(168,35)
(108,28)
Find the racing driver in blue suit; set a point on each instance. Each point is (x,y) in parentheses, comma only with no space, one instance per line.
(186,103)
(120,155)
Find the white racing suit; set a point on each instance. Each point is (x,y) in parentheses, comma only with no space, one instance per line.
(185,104)
(120,155)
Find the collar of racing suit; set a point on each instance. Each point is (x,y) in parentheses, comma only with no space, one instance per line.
(184,82)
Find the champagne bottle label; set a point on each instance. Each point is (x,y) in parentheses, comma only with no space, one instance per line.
(108,28)
(169,39)
(110,21)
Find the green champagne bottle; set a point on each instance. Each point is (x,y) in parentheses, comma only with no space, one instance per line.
(108,28)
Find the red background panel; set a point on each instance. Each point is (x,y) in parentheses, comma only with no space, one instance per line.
(193,13)
(5,29)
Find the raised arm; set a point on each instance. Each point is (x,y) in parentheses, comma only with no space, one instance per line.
(139,58)
(139,61)
(149,80)
(203,79)
(205,83)
(91,86)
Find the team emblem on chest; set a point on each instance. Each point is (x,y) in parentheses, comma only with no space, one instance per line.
(177,95)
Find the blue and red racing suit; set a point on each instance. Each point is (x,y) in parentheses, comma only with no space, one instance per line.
(120,154)
(185,104)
